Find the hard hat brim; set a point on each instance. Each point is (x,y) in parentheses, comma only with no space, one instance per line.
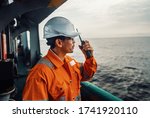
(71,35)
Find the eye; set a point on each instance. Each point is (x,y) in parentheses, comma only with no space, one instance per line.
(69,38)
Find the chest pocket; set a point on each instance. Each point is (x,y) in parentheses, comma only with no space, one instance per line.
(58,90)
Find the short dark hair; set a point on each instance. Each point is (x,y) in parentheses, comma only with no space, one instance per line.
(51,41)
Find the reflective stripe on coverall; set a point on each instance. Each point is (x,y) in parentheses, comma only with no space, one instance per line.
(53,79)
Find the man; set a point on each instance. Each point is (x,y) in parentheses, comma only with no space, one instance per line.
(57,76)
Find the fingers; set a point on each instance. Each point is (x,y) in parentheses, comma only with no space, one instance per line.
(86,46)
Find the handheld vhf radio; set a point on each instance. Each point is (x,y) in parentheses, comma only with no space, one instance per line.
(88,52)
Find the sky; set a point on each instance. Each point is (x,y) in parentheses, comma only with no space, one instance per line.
(106,18)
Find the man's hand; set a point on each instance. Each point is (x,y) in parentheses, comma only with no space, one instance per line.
(86,47)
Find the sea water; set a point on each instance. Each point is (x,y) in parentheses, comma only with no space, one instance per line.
(123,65)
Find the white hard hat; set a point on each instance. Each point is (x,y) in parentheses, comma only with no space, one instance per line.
(59,26)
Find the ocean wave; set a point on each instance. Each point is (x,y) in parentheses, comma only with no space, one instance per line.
(127,83)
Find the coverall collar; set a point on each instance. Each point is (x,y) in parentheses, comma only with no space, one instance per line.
(55,59)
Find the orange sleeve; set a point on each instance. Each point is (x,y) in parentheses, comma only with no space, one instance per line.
(35,87)
(88,69)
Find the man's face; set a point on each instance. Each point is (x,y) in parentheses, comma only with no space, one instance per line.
(68,45)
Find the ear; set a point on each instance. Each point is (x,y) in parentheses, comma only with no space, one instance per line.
(58,43)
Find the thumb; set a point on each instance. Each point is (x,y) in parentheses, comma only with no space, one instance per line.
(81,47)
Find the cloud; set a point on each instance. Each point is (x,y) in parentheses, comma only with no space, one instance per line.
(98,18)
(131,11)
(130,17)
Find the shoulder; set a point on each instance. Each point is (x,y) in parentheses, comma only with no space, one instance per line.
(41,70)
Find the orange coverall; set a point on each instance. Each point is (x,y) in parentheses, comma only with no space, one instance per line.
(60,80)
